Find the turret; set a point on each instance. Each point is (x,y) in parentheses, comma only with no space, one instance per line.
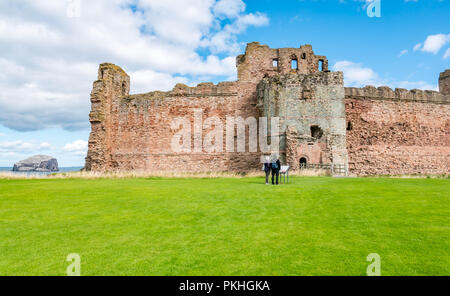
(444,82)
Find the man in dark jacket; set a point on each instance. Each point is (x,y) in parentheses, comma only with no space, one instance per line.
(276,165)
(267,167)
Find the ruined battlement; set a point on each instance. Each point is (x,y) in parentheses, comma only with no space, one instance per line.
(367,131)
(261,60)
(329,78)
(206,91)
(182,90)
(399,94)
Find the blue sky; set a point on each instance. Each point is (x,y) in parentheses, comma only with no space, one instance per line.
(50,51)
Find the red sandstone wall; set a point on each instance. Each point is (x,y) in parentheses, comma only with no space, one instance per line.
(392,132)
(397,132)
(141,133)
(134,132)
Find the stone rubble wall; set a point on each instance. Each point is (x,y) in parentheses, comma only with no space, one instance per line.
(395,132)
(133,132)
(257,62)
(112,83)
(303,102)
(388,131)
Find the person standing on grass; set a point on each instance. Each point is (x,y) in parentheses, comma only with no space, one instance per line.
(275,167)
(267,167)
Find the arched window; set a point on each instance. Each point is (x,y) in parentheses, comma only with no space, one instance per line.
(303,56)
(303,162)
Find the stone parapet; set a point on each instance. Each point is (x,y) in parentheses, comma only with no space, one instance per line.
(399,94)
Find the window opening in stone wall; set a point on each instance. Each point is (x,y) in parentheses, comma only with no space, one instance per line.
(316,132)
(294,64)
(303,56)
(303,162)
(349,126)
(320,65)
(124,88)
(275,63)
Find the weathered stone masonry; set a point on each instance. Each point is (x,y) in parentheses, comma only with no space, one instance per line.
(369,130)
(397,132)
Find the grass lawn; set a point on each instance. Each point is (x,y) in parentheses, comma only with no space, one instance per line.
(226,226)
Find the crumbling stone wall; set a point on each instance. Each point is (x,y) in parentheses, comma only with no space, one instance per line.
(112,84)
(444,83)
(375,130)
(260,61)
(397,132)
(133,132)
(312,116)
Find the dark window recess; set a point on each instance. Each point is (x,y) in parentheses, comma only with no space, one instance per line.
(303,56)
(349,126)
(124,88)
(316,132)
(303,162)
(294,64)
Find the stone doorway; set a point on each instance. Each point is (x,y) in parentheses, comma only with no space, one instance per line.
(303,162)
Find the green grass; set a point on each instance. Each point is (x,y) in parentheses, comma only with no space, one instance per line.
(227,226)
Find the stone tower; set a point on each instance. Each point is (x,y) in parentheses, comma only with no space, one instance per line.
(444,82)
(311,109)
(307,98)
(112,84)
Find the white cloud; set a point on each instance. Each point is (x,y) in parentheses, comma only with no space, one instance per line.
(414,85)
(78,147)
(433,43)
(45,145)
(8,146)
(226,39)
(49,60)
(417,46)
(144,80)
(20,146)
(356,75)
(403,52)
(447,54)
(229,8)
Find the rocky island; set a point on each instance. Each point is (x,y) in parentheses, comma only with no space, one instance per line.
(37,163)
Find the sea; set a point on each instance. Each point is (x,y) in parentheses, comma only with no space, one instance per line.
(61,170)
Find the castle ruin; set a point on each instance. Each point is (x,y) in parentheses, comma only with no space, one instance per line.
(366,131)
